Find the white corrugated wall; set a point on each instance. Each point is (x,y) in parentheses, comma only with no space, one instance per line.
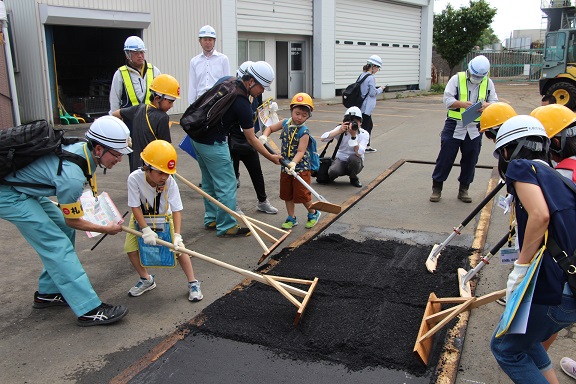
(271,16)
(389,30)
(171,40)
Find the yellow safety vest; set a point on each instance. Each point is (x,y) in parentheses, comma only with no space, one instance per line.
(130,87)
(456,114)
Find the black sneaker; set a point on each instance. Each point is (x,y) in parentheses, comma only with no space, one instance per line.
(48,300)
(103,314)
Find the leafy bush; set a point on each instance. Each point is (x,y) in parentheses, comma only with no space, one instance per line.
(437,88)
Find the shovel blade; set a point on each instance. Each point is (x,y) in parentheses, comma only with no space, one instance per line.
(464,283)
(325,206)
(432,261)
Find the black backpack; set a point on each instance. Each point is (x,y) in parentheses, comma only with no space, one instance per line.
(352,96)
(21,145)
(204,116)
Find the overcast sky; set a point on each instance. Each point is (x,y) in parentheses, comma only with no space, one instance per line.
(511,15)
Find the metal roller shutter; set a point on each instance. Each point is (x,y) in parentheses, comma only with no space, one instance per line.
(389,30)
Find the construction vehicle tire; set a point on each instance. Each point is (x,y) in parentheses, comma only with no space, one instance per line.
(565,94)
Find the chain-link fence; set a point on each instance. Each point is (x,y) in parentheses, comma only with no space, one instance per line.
(516,65)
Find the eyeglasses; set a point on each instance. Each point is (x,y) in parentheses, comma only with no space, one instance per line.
(118,156)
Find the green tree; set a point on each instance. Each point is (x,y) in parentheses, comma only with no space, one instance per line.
(457,31)
(488,37)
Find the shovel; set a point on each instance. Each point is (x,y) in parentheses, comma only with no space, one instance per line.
(322,204)
(432,260)
(465,277)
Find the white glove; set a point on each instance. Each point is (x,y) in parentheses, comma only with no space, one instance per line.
(291,166)
(263,139)
(149,236)
(515,277)
(273,106)
(178,243)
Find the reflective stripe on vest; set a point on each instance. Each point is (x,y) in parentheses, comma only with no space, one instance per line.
(570,165)
(129,87)
(463,90)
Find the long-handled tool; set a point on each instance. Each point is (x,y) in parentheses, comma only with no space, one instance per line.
(104,236)
(277,282)
(252,224)
(435,318)
(322,204)
(432,260)
(465,277)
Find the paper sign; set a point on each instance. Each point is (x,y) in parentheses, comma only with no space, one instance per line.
(267,114)
(471,113)
(508,255)
(101,211)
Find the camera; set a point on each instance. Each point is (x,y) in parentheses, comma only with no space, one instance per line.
(354,125)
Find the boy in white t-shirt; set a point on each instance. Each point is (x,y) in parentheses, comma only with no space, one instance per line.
(151,190)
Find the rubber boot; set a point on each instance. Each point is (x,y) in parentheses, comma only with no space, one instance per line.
(463,193)
(436,191)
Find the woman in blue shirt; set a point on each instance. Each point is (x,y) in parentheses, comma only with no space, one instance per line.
(542,202)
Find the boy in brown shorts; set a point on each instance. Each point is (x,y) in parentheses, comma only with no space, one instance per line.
(294,137)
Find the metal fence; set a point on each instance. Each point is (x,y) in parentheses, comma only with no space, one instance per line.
(516,65)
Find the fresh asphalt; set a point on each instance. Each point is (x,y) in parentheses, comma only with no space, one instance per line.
(38,346)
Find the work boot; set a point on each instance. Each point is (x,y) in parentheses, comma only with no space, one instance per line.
(463,193)
(436,191)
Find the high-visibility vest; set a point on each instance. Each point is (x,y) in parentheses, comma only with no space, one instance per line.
(129,87)
(463,90)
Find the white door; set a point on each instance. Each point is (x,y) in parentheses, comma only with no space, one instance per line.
(296,68)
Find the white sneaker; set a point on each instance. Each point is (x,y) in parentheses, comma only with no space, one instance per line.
(195,292)
(142,286)
(568,366)
(266,207)
(370,150)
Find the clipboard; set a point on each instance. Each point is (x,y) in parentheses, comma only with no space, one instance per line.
(471,113)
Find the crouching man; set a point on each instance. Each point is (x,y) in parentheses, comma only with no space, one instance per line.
(350,156)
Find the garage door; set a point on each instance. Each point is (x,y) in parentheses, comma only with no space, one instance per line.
(390,30)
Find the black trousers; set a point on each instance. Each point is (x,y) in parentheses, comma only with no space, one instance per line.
(251,160)
(367,125)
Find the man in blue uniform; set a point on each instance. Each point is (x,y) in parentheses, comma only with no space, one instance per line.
(50,228)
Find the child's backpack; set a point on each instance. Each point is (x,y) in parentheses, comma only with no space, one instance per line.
(21,145)
(352,95)
(204,116)
(311,149)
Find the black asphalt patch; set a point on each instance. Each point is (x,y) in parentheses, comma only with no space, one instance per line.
(359,326)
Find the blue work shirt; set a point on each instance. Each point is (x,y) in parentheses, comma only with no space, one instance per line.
(561,203)
(67,187)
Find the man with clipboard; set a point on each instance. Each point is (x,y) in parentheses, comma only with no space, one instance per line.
(466,95)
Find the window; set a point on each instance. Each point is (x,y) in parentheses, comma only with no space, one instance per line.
(555,46)
(250,50)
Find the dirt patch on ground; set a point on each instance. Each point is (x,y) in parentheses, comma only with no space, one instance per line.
(365,312)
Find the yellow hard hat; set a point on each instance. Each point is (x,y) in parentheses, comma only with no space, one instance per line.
(495,115)
(302,99)
(533,113)
(160,155)
(554,118)
(166,85)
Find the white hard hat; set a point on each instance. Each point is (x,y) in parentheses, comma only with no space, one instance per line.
(518,127)
(262,72)
(134,43)
(354,111)
(110,132)
(207,31)
(479,66)
(241,71)
(375,60)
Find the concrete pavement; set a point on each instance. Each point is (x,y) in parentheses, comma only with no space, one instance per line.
(45,345)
